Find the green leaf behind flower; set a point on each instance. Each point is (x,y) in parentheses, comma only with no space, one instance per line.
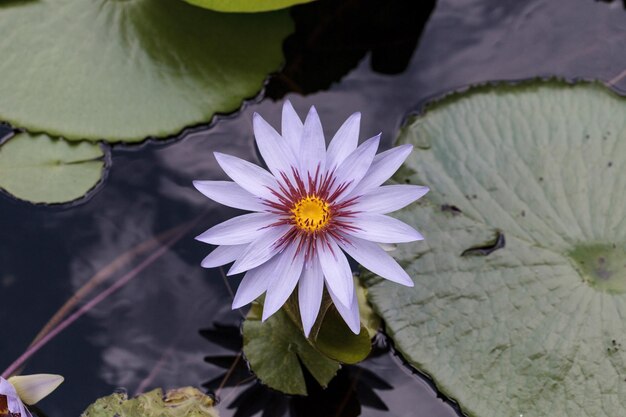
(182,402)
(126,70)
(40,169)
(274,349)
(246,6)
(534,327)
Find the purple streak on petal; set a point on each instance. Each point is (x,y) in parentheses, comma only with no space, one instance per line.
(344,142)
(388,198)
(355,166)
(384,165)
(254,283)
(223,255)
(261,250)
(287,272)
(230,194)
(275,150)
(310,290)
(292,127)
(238,230)
(336,268)
(250,177)
(374,258)
(313,147)
(381,228)
(350,314)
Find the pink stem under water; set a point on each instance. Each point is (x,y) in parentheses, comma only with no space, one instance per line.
(91,304)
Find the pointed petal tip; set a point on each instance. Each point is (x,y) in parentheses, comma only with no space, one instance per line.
(33,388)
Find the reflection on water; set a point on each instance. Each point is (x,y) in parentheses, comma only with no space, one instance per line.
(147,335)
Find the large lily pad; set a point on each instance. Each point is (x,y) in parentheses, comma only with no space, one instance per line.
(246,5)
(40,169)
(534,328)
(181,402)
(125,70)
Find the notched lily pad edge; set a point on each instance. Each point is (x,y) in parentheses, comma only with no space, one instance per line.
(106,159)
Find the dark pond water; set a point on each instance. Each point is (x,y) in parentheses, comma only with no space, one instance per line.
(345,57)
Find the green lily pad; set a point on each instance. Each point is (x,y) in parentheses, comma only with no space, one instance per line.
(40,169)
(274,349)
(246,5)
(181,402)
(533,325)
(125,70)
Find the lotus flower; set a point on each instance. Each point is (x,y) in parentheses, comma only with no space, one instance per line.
(27,389)
(312,205)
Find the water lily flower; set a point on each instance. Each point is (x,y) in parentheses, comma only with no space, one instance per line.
(312,205)
(26,389)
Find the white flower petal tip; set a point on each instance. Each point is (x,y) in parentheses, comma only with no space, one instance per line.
(309,206)
(33,388)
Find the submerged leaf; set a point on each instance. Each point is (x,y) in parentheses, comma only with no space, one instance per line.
(535,327)
(246,6)
(126,70)
(182,402)
(40,169)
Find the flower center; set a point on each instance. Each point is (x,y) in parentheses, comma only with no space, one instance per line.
(4,406)
(311,213)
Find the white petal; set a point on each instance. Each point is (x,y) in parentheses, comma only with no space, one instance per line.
(350,314)
(287,272)
(250,177)
(310,291)
(384,165)
(253,284)
(259,251)
(336,270)
(291,127)
(383,229)
(275,151)
(223,255)
(33,388)
(388,198)
(372,257)
(230,194)
(355,166)
(313,147)
(344,142)
(238,230)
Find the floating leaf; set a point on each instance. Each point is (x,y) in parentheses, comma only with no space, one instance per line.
(246,5)
(182,402)
(40,169)
(336,340)
(533,327)
(125,70)
(274,349)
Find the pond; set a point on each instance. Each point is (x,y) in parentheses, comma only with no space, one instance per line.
(172,324)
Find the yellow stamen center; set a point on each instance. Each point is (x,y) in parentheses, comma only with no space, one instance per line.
(311,213)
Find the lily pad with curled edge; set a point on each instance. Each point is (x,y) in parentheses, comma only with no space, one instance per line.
(246,6)
(536,327)
(126,70)
(181,402)
(40,169)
